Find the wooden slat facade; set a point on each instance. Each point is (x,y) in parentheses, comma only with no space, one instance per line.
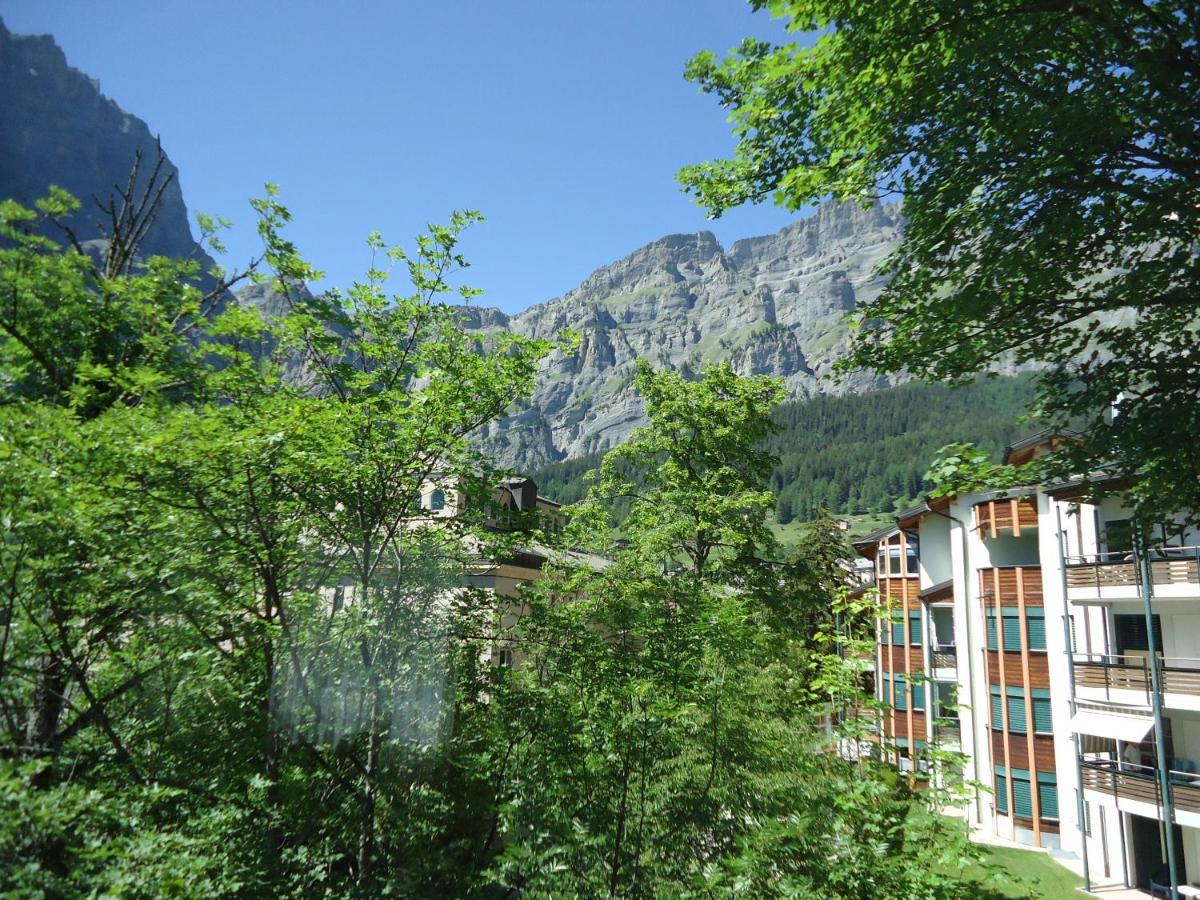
(1016,587)
(899,595)
(1015,515)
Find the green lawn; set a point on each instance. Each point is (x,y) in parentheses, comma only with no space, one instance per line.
(1008,872)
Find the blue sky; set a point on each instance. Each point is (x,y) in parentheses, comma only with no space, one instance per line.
(564,123)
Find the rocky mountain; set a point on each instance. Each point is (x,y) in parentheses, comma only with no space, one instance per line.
(771,305)
(56,127)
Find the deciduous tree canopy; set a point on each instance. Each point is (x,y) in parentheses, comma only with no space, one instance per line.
(1046,155)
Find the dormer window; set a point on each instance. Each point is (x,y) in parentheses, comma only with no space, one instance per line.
(437,500)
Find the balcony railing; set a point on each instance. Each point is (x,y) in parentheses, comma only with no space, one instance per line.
(1131,672)
(1168,565)
(948,730)
(945,656)
(1130,781)
(1013,514)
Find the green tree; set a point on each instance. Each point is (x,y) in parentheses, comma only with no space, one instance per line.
(665,734)
(1045,157)
(228,632)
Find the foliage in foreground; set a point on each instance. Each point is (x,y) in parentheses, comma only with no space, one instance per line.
(236,659)
(672,702)
(1045,155)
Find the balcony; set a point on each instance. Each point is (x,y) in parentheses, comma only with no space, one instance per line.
(994,516)
(945,656)
(1132,783)
(948,731)
(1126,679)
(1174,572)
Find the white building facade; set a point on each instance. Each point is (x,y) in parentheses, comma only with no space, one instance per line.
(1016,632)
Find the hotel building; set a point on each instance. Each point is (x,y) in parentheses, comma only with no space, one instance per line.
(1022,629)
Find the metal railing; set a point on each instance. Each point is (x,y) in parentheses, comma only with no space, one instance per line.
(1168,565)
(948,730)
(945,656)
(1131,672)
(1132,781)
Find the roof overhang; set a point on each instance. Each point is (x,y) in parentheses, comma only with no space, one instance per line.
(943,590)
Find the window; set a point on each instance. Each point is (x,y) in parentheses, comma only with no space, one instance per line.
(506,659)
(1047,787)
(901,693)
(897,628)
(887,688)
(1130,632)
(1001,790)
(997,709)
(437,500)
(914,627)
(895,563)
(918,695)
(1022,793)
(1009,628)
(1011,618)
(339,597)
(1043,720)
(1035,627)
(1017,722)
(1118,536)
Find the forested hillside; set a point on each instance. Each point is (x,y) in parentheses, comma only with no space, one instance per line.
(860,453)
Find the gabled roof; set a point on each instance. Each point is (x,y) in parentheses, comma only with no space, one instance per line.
(866,544)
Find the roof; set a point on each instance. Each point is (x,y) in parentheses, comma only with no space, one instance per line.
(943,590)
(910,517)
(1020,452)
(868,542)
(1078,487)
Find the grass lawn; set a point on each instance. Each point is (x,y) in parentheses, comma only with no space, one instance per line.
(1008,872)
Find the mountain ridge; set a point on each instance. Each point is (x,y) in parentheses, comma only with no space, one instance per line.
(770,304)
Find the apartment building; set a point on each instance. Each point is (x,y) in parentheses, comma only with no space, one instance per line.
(1022,629)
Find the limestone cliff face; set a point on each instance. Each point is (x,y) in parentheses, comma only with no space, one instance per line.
(771,305)
(57,128)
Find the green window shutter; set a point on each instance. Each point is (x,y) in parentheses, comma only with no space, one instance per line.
(1022,793)
(1017,723)
(1012,630)
(918,692)
(887,689)
(897,629)
(1043,719)
(1035,625)
(1047,795)
(1001,791)
(991,629)
(901,693)
(997,714)
(914,628)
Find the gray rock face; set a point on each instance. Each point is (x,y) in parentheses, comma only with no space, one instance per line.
(772,305)
(57,128)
